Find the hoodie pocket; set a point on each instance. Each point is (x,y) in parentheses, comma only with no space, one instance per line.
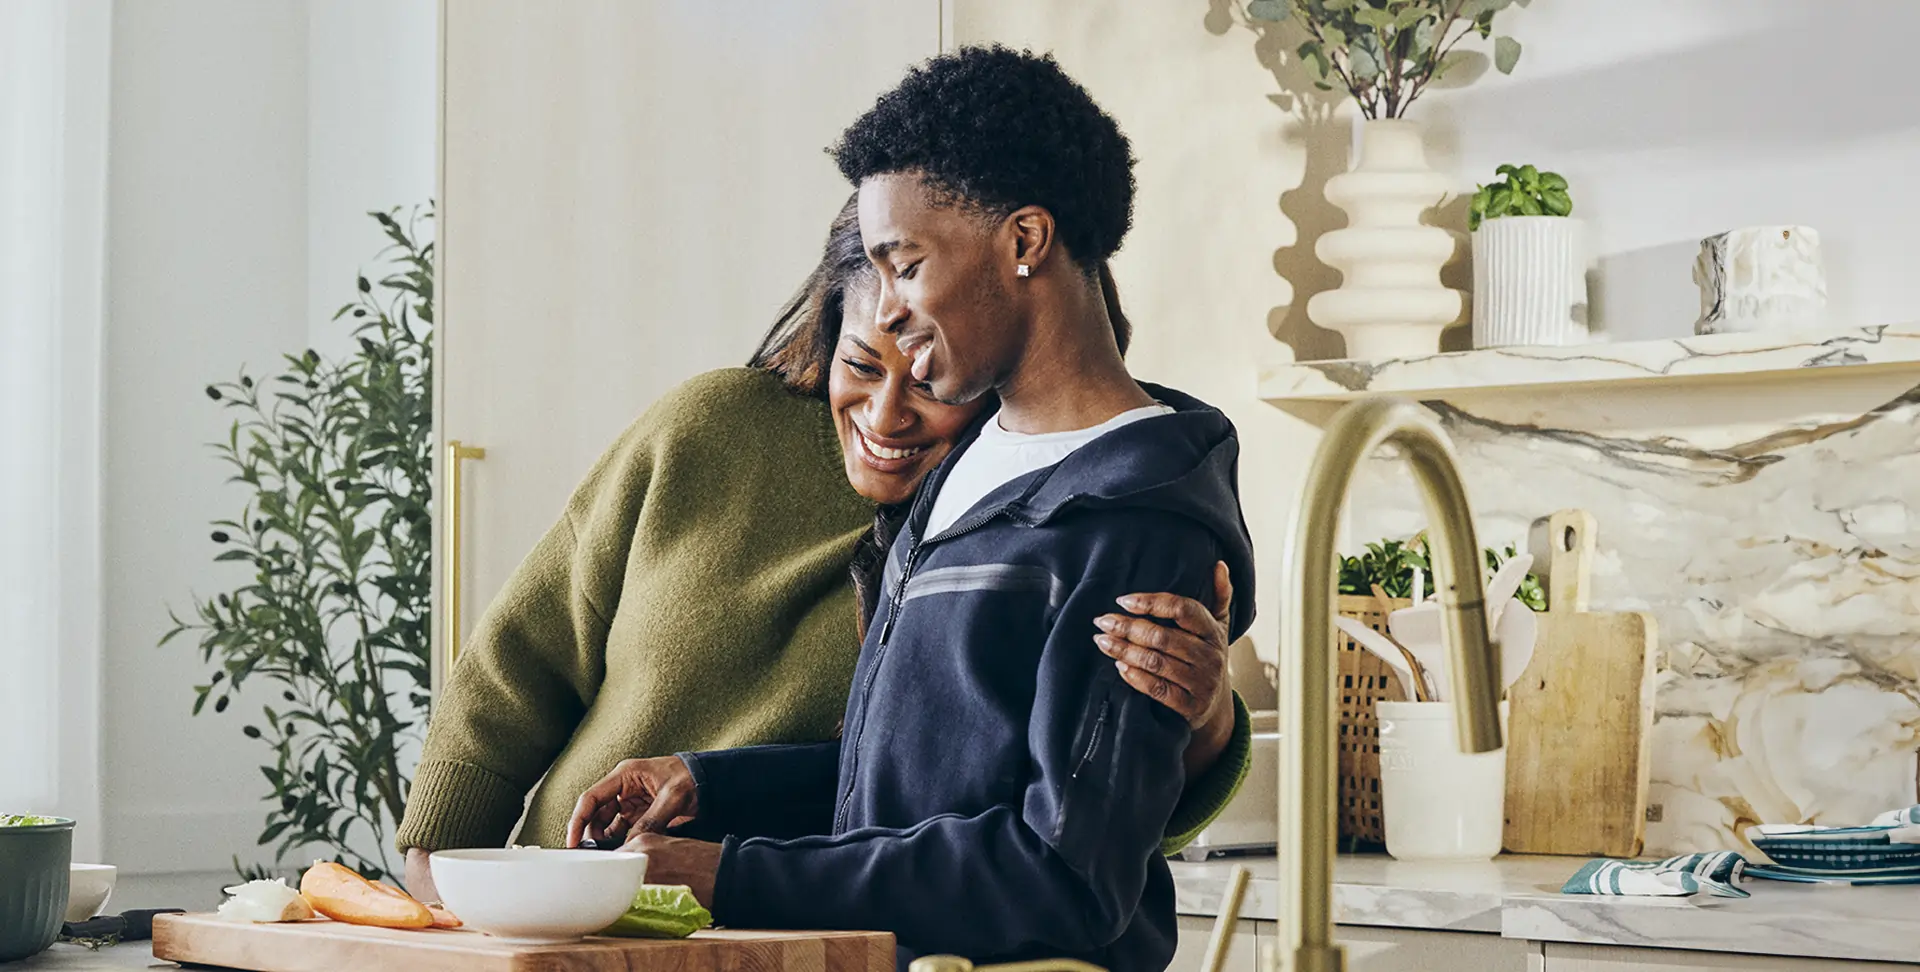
(1094,740)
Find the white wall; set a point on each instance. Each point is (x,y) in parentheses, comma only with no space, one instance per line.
(372,84)
(247,140)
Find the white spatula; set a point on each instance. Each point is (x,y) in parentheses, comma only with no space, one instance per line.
(1384,647)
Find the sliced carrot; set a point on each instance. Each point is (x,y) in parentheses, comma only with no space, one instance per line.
(442,918)
(340,894)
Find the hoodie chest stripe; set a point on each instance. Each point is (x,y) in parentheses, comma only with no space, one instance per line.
(987,577)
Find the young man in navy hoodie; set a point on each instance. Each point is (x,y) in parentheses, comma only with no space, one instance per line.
(999,792)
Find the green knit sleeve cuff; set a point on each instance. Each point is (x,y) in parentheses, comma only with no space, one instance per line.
(1207,796)
(455,804)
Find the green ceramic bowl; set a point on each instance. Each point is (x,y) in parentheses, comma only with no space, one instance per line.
(34,862)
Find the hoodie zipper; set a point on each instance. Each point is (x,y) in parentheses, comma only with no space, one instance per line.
(880,651)
(1093,744)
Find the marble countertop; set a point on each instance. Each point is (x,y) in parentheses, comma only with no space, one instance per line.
(1518,897)
(1514,897)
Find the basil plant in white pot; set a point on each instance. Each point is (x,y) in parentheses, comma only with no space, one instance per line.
(1529,261)
(1386,53)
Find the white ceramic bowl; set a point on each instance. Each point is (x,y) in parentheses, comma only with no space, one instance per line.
(536,895)
(88,888)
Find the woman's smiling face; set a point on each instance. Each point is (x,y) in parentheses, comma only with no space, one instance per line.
(892,432)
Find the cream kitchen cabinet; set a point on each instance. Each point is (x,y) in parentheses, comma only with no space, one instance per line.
(1604,958)
(1190,955)
(1368,949)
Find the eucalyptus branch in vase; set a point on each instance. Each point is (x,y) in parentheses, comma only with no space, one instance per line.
(1386,53)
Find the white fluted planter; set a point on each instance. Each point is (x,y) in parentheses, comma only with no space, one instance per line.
(1529,281)
(1390,303)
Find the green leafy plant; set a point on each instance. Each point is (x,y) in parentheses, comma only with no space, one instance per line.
(1387,52)
(337,457)
(1526,191)
(1390,564)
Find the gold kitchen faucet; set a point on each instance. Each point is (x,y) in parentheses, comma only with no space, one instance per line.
(1309,722)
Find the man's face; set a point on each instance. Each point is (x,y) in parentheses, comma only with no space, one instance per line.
(943,290)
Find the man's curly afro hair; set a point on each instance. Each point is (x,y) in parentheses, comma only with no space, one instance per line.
(995,129)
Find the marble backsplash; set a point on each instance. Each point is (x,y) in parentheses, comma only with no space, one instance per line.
(1776,539)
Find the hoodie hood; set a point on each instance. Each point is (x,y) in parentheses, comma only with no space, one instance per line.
(1186,462)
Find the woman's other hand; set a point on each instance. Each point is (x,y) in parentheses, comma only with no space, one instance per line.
(419,877)
(638,796)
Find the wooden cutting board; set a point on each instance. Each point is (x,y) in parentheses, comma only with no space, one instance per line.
(331,946)
(1581,713)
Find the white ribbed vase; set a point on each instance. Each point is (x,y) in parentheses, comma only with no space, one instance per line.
(1390,303)
(1529,281)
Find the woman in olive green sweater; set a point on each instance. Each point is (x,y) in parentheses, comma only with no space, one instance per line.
(696,594)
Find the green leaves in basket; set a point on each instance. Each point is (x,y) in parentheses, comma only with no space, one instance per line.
(1390,564)
(661,911)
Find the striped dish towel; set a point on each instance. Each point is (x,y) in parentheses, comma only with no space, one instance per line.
(1715,873)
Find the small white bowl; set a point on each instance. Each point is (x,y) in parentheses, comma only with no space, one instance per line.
(538,896)
(88,888)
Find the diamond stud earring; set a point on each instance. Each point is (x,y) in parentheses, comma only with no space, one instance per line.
(1023,271)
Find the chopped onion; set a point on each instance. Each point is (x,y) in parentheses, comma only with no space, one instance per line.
(265,901)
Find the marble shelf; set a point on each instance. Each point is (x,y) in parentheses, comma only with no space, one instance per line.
(1521,370)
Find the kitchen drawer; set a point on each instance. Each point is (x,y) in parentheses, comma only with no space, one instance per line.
(1604,958)
(1368,949)
(1190,955)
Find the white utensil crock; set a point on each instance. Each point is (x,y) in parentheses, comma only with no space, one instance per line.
(1439,804)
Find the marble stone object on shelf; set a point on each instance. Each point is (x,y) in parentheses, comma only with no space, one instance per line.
(1762,278)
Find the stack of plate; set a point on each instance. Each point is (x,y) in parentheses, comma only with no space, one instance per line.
(1841,855)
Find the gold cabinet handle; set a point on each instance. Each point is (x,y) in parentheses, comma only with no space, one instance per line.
(456,451)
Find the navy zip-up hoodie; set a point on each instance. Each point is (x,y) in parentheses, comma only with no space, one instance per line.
(999,792)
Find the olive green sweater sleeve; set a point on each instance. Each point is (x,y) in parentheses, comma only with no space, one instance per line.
(534,663)
(1208,795)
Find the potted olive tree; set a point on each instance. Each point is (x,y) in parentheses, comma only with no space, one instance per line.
(1386,54)
(1529,261)
(330,622)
